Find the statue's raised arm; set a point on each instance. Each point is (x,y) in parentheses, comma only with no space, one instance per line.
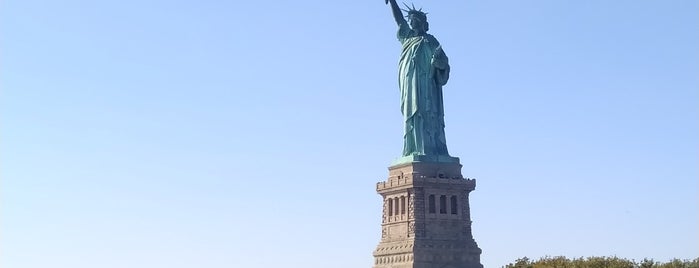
(397,14)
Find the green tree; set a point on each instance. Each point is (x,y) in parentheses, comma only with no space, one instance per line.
(599,262)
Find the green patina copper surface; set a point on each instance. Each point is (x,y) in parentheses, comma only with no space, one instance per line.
(422,71)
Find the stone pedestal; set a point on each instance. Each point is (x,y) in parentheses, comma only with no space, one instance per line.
(426,219)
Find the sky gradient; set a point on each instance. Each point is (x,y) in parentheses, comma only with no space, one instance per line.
(251,134)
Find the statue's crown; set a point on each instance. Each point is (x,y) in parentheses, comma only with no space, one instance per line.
(412,11)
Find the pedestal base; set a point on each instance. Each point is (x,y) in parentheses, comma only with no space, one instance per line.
(426,219)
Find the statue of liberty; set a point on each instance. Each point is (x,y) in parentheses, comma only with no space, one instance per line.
(422,71)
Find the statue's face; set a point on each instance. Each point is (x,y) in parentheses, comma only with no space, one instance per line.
(416,23)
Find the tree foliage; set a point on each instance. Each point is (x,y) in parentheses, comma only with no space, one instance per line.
(599,262)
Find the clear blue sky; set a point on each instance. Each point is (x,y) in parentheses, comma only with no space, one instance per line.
(251,134)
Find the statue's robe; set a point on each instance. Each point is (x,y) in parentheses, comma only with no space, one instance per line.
(423,70)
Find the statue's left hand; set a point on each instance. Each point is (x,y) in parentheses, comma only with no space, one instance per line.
(438,51)
(438,58)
